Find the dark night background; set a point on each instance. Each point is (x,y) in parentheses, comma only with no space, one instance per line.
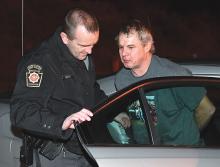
(185,30)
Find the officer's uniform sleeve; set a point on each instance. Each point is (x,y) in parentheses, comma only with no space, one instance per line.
(31,105)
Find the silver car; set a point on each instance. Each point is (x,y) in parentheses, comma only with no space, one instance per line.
(107,143)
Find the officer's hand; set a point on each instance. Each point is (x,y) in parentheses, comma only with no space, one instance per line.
(79,117)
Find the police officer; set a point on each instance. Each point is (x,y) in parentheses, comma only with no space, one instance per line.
(56,87)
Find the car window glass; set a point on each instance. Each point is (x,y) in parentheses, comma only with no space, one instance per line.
(107,128)
(172,113)
(136,132)
(211,133)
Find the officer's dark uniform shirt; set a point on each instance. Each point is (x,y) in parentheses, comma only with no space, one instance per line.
(51,85)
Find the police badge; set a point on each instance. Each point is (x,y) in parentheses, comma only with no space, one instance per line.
(34,75)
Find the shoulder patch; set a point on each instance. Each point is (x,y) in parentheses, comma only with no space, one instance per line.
(34,75)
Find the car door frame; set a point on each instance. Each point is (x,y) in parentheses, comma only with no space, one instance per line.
(184,153)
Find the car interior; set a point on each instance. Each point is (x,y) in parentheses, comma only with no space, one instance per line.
(104,129)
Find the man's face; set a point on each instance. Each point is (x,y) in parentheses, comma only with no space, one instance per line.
(83,42)
(132,51)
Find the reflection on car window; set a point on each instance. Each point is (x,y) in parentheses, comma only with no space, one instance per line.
(172,112)
(138,123)
(136,132)
(121,123)
(174,116)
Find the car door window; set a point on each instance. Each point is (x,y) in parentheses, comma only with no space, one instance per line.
(174,115)
(106,128)
(136,132)
(171,111)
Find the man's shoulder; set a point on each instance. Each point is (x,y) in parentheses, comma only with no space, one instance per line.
(36,54)
(122,72)
(45,50)
(171,68)
(38,57)
(122,78)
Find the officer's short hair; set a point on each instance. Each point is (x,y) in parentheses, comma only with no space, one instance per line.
(144,32)
(77,17)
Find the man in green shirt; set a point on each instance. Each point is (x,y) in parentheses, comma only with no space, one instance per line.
(179,115)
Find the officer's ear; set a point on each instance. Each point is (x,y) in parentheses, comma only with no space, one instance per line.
(64,38)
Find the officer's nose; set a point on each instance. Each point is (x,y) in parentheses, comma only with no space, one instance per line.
(89,49)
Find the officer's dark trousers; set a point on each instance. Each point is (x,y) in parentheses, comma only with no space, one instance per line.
(64,159)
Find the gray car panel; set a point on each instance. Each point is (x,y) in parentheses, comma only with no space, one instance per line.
(10,141)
